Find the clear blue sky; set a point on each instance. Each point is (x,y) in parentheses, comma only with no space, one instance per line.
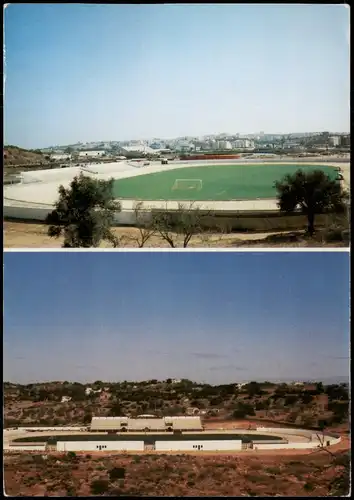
(211,316)
(116,72)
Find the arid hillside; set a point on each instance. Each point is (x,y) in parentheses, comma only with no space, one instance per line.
(309,405)
(14,155)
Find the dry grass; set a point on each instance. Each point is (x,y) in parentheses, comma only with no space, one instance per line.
(33,235)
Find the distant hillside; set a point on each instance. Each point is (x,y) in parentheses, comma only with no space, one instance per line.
(14,155)
(306,405)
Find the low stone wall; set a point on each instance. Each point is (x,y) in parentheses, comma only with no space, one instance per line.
(224,222)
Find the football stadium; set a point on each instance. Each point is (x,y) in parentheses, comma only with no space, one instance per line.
(224,187)
(167,434)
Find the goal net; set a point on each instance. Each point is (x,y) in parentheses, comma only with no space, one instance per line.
(187,185)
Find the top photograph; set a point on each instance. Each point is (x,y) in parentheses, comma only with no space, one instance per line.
(176,126)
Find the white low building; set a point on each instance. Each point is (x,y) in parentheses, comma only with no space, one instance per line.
(60,157)
(65,399)
(199,445)
(158,445)
(91,154)
(100,445)
(89,391)
(141,149)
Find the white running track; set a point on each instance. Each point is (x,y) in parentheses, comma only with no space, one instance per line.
(35,196)
(293,438)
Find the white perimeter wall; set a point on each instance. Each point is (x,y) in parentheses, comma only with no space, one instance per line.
(286,446)
(312,443)
(92,445)
(226,445)
(289,432)
(45,429)
(37,447)
(38,213)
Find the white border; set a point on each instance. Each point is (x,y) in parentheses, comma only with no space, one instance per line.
(187,250)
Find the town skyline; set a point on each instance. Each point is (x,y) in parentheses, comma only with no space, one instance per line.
(262,135)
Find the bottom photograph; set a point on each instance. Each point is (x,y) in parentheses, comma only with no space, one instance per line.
(176,374)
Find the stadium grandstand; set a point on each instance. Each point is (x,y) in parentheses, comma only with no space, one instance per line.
(125,424)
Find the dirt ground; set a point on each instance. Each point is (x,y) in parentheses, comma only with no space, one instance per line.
(32,235)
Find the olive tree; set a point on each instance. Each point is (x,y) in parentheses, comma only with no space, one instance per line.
(84,213)
(313,193)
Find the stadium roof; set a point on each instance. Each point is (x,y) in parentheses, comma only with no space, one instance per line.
(116,423)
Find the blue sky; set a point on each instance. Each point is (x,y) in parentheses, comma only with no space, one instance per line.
(79,72)
(212,316)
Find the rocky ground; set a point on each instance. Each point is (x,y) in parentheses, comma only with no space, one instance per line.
(316,474)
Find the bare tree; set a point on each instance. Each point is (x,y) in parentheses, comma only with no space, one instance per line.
(143,222)
(185,222)
(322,443)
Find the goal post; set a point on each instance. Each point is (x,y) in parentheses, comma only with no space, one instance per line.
(187,185)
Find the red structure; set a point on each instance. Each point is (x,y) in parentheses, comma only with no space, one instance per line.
(210,157)
(322,402)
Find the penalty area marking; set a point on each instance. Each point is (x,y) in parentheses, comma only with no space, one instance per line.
(187,184)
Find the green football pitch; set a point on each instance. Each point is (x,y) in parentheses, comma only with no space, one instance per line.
(211,182)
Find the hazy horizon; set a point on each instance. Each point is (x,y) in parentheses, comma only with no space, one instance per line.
(215,317)
(91,72)
(334,380)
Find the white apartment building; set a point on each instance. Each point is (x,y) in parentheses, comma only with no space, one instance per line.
(224,145)
(243,144)
(335,140)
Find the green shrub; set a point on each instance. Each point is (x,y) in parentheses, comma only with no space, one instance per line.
(255,478)
(337,235)
(272,470)
(99,486)
(309,487)
(117,492)
(117,473)
(71,491)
